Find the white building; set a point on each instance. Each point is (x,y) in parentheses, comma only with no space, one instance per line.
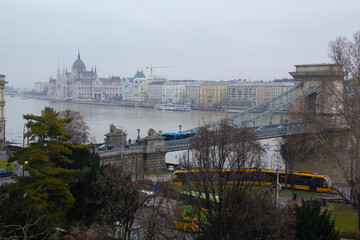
(140,87)
(155,92)
(193,92)
(264,91)
(41,87)
(173,92)
(241,93)
(82,84)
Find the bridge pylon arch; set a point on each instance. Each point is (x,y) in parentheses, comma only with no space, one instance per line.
(325,102)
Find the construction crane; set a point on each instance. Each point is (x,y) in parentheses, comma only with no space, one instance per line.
(151,68)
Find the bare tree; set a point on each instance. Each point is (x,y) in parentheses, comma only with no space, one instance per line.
(77,127)
(340,137)
(295,149)
(229,207)
(157,216)
(119,200)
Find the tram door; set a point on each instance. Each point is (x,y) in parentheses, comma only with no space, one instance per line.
(312,184)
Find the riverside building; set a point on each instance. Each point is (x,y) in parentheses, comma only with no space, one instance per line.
(81,84)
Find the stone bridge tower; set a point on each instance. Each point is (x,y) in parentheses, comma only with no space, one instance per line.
(147,155)
(326,101)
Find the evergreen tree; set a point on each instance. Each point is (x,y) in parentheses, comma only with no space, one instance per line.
(84,210)
(312,223)
(19,218)
(49,162)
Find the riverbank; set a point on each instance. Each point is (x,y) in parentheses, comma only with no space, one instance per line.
(199,107)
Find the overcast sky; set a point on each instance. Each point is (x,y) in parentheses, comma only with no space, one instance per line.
(201,39)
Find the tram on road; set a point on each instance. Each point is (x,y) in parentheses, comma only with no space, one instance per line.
(313,182)
(170,136)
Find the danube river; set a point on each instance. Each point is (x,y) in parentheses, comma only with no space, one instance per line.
(99,118)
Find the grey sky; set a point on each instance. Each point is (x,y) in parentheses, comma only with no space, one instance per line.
(202,39)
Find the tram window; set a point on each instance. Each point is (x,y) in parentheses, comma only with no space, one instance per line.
(180,136)
(302,180)
(196,176)
(282,178)
(178,177)
(245,176)
(170,137)
(268,177)
(320,182)
(234,175)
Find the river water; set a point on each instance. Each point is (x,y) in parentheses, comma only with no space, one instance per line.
(99,118)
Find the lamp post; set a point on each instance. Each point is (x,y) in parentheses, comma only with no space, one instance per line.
(24,137)
(138,137)
(83,138)
(122,146)
(26,162)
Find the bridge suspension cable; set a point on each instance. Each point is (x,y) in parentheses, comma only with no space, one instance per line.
(249,110)
(288,103)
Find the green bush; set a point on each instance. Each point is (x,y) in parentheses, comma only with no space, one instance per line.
(312,223)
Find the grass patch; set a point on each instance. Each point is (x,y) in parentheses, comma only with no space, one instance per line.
(163,172)
(345,217)
(302,194)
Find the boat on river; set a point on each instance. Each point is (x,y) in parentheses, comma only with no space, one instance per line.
(173,107)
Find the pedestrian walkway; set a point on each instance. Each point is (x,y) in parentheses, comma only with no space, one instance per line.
(4,155)
(288,199)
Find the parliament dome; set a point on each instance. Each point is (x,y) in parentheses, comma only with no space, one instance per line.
(78,65)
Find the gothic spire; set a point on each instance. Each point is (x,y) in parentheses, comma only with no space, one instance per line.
(78,54)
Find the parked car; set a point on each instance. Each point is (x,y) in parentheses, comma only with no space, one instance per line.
(105,147)
(4,173)
(148,196)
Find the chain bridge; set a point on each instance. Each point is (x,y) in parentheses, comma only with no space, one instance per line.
(310,93)
(275,117)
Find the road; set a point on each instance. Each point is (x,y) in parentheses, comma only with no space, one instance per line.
(6,180)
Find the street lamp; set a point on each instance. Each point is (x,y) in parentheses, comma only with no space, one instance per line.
(24,137)
(83,138)
(26,162)
(138,137)
(122,146)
